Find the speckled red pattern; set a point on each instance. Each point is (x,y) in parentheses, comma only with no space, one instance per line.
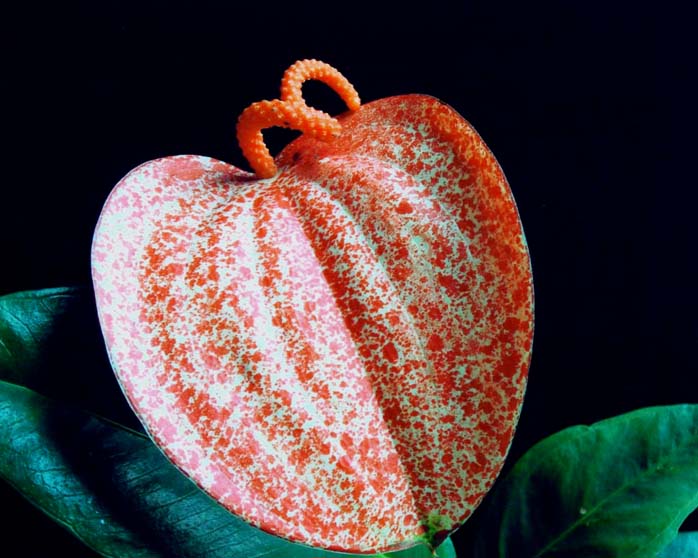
(337,354)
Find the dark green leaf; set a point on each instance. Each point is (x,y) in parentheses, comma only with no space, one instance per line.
(28,321)
(50,341)
(620,488)
(683,546)
(445,550)
(116,491)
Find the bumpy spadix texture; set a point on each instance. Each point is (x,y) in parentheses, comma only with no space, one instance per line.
(338,354)
(290,111)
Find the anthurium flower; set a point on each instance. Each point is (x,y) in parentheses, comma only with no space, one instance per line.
(336,347)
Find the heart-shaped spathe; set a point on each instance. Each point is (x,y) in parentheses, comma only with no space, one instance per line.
(337,354)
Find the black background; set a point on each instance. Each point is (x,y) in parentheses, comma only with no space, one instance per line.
(587,106)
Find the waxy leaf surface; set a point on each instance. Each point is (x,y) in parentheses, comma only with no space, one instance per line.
(621,487)
(683,546)
(50,342)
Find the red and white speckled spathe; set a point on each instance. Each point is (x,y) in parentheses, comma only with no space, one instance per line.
(338,354)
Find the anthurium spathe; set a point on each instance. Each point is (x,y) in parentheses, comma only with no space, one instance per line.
(336,348)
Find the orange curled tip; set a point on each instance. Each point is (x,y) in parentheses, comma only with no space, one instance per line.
(291,111)
(303,70)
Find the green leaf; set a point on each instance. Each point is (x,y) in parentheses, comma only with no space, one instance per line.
(118,493)
(445,550)
(27,323)
(51,342)
(620,488)
(683,546)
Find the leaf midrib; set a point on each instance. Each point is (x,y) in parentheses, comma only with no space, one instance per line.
(585,518)
(8,316)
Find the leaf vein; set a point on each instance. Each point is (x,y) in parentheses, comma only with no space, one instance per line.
(596,508)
